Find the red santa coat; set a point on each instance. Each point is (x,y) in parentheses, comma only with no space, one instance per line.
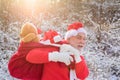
(56,70)
(20,68)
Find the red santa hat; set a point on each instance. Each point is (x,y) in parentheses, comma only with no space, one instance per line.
(74,29)
(52,36)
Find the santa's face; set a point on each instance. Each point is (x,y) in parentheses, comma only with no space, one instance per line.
(77,41)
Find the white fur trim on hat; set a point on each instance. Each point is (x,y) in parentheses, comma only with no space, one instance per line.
(74,32)
(82,30)
(70,33)
(57,38)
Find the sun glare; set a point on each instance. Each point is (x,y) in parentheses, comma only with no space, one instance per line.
(30,3)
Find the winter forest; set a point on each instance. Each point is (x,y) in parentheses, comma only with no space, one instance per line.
(101,19)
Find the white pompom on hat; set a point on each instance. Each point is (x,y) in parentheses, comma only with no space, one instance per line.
(74,29)
(52,36)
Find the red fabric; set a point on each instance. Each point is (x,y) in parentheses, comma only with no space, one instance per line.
(57,70)
(81,69)
(75,26)
(49,35)
(20,68)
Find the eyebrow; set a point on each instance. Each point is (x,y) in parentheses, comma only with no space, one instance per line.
(81,36)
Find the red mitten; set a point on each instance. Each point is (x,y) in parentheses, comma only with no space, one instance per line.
(72,65)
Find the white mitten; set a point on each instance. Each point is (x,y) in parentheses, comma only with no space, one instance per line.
(71,50)
(60,57)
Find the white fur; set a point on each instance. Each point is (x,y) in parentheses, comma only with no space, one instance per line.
(57,38)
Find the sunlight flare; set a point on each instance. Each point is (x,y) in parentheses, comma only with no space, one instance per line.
(30,3)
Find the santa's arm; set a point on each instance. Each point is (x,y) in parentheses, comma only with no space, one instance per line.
(43,55)
(81,69)
(37,56)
